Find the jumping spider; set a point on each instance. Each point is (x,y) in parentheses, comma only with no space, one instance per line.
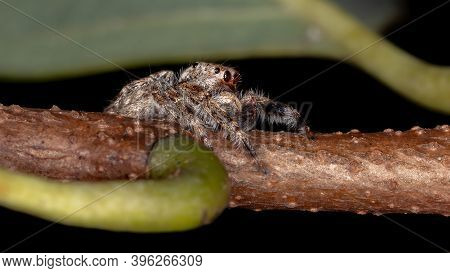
(203,97)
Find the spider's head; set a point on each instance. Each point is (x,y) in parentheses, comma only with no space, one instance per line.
(213,77)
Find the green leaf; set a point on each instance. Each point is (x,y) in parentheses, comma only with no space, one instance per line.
(59,38)
(188,188)
(49,38)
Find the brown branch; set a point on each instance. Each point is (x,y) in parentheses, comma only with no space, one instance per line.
(385,172)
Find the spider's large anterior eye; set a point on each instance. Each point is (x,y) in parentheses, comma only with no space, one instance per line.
(195,65)
(227,76)
(216,70)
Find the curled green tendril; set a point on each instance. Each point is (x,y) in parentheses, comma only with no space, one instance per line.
(187,189)
(417,80)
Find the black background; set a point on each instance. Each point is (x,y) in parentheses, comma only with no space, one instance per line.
(344,98)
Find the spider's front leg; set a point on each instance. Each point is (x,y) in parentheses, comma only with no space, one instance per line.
(241,139)
(177,106)
(258,107)
(222,111)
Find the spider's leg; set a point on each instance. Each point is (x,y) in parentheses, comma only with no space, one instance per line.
(221,112)
(252,110)
(217,113)
(179,112)
(241,139)
(200,132)
(280,113)
(256,106)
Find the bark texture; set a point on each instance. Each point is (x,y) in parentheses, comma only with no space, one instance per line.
(386,172)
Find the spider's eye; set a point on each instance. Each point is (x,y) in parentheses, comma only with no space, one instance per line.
(227,76)
(195,65)
(216,70)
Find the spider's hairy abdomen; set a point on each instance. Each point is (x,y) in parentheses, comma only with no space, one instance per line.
(140,99)
(203,98)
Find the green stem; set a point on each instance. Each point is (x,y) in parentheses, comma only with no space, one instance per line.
(424,83)
(188,189)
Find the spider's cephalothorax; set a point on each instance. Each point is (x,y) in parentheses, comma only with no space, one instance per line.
(204,97)
(212,77)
